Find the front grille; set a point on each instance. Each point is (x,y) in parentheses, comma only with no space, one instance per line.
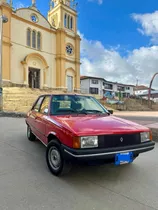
(118,140)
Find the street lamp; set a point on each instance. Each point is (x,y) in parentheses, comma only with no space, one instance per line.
(3,19)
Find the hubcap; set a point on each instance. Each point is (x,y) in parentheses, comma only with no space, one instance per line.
(54,158)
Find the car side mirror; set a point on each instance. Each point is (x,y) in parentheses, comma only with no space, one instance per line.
(46,111)
(111,111)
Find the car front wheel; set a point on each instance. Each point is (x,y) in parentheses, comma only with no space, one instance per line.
(30,135)
(55,161)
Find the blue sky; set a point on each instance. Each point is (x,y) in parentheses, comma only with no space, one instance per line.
(119,38)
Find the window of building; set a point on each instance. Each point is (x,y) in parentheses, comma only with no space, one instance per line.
(71,23)
(38,40)
(94,81)
(69,83)
(65,20)
(94,91)
(108,86)
(34,39)
(68,21)
(120,88)
(29,37)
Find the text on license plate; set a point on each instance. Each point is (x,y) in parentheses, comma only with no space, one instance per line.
(123,158)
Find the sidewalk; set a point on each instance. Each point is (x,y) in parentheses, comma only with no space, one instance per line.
(137,114)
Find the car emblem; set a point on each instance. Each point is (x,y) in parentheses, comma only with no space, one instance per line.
(121,139)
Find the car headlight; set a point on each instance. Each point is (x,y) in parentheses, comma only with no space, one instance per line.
(89,141)
(145,136)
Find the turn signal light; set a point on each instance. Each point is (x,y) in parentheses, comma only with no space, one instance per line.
(76,142)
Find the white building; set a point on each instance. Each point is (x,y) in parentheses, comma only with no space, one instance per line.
(100,86)
(92,85)
(140,90)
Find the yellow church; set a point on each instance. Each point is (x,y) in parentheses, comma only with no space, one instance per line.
(41,52)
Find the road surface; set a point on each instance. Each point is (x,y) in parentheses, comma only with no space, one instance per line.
(143,118)
(26,183)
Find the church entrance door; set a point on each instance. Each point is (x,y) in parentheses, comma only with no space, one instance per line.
(34,78)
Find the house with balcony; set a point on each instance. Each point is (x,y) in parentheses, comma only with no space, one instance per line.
(101,87)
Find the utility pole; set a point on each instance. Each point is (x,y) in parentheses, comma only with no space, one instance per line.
(3,19)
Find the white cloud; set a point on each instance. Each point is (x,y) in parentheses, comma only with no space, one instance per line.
(139,64)
(149,25)
(98,1)
(19,5)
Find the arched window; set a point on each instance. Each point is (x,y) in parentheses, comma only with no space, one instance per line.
(29,37)
(34,39)
(68,21)
(38,40)
(71,23)
(65,20)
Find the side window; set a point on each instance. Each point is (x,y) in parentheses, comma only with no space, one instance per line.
(38,104)
(45,105)
(29,37)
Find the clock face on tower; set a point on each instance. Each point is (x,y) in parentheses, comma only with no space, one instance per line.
(69,49)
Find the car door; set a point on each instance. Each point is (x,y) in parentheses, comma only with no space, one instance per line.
(41,119)
(33,115)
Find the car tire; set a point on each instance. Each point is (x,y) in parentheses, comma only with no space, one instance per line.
(55,161)
(30,135)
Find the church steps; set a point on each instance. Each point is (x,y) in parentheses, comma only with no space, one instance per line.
(21,99)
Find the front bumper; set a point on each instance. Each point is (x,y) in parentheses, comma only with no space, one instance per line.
(105,153)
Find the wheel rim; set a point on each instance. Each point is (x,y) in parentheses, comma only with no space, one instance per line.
(54,158)
(28,132)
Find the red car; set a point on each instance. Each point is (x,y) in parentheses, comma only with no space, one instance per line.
(75,127)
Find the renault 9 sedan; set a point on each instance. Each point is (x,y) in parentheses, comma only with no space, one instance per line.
(75,127)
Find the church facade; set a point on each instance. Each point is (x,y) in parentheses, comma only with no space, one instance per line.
(41,52)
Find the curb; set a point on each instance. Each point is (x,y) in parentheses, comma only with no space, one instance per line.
(13,114)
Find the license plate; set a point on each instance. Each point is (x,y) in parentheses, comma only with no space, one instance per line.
(123,158)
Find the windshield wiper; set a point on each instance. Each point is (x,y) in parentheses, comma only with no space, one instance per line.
(82,112)
(86,112)
(97,112)
(94,111)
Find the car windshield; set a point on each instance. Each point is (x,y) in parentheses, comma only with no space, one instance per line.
(75,104)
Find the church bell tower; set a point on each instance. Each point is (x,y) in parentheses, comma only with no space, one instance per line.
(63,17)
(62,14)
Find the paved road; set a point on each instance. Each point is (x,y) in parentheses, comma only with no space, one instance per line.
(26,183)
(144,120)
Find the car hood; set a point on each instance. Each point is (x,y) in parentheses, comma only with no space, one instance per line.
(98,125)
